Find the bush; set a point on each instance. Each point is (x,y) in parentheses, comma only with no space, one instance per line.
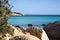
(4,14)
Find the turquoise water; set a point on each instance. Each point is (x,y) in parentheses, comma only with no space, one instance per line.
(33,19)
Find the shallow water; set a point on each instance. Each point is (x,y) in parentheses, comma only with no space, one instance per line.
(33,19)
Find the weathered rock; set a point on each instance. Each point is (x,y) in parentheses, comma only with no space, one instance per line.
(19,38)
(35,31)
(53,30)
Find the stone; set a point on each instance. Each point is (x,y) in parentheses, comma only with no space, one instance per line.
(19,38)
(53,30)
(39,33)
(30,25)
(43,25)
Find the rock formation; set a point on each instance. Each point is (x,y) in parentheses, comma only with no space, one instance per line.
(53,30)
(39,33)
(33,33)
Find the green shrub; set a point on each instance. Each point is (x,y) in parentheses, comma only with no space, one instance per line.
(4,14)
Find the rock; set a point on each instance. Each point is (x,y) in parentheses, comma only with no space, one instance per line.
(35,31)
(30,25)
(53,30)
(43,25)
(24,37)
(17,26)
(20,27)
(31,33)
(44,36)
(20,35)
(39,33)
(19,38)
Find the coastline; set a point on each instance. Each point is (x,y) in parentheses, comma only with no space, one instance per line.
(24,34)
(30,32)
(17,14)
(35,20)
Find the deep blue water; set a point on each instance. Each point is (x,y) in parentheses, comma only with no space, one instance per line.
(33,19)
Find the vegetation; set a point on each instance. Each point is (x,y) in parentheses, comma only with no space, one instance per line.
(4,14)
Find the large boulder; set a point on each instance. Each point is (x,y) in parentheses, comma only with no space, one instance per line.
(36,31)
(53,30)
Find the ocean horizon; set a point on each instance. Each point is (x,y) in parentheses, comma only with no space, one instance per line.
(33,19)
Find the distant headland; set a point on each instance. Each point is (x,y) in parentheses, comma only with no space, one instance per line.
(16,14)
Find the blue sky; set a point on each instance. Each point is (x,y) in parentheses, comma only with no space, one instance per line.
(39,7)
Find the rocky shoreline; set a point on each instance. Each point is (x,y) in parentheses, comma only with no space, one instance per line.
(53,30)
(50,32)
(32,33)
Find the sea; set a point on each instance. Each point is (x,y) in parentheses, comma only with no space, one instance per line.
(33,19)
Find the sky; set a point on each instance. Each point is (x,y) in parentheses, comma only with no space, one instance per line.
(36,7)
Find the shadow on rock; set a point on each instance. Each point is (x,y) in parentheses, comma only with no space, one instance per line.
(53,30)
